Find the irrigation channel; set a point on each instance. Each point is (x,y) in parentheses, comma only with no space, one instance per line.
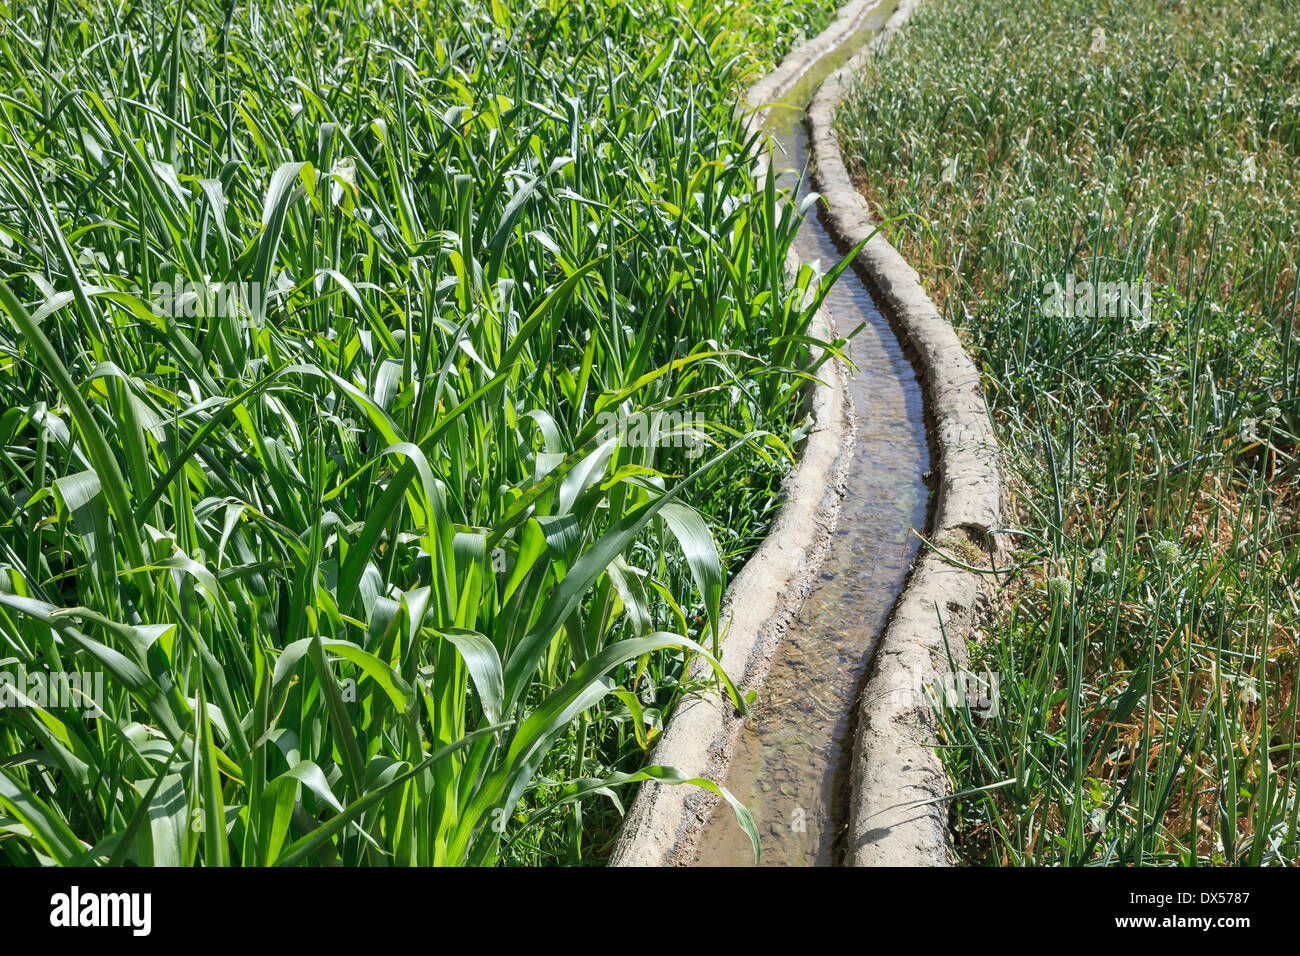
(790,765)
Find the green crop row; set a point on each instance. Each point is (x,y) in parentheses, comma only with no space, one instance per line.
(313,321)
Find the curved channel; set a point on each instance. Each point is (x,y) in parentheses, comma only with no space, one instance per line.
(790,764)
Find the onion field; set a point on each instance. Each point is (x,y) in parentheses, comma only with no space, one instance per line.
(1103,197)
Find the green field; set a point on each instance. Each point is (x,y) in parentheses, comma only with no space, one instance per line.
(1146,642)
(387,391)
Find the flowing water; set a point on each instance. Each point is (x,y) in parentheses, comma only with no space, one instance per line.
(790,765)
